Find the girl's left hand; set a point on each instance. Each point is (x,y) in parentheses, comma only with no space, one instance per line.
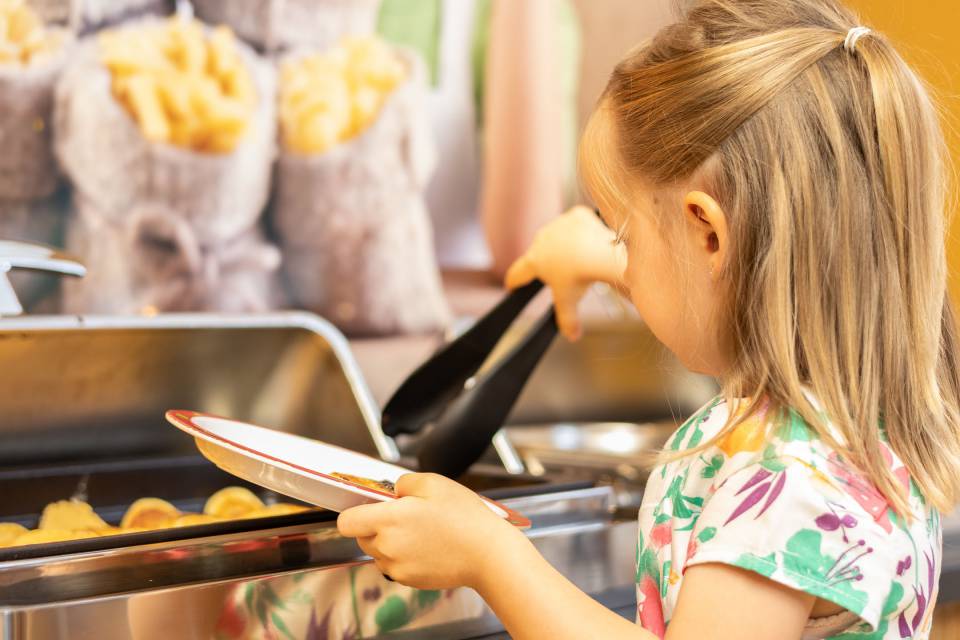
(437,535)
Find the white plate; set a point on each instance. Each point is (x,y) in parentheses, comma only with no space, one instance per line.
(295,466)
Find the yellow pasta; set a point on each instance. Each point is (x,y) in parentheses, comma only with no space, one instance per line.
(330,97)
(23,37)
(181,85)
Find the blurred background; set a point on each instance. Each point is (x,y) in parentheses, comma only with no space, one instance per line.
(379,163)
(387,151)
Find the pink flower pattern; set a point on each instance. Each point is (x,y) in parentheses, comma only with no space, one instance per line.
(796,512)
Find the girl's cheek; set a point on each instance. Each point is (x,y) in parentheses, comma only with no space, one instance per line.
(654,292)
(642,284)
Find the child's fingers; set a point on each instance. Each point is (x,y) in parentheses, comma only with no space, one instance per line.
(368,545)
(361,522)
(422,485)
(520,273)
(565,303)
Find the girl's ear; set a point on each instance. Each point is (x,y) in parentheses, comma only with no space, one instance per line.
(710,229)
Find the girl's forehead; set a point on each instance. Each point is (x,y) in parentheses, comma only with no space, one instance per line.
(599,164)
(603,174)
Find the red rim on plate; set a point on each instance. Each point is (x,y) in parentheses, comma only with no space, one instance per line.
(185,421)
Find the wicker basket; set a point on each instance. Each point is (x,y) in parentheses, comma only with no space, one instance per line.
(353,226)
(154,260)
(86,15)
(275,25)
(28,169)
(115,169)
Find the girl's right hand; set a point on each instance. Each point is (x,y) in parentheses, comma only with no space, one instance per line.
(568,255)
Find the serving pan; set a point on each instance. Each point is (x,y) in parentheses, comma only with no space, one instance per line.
(82,401)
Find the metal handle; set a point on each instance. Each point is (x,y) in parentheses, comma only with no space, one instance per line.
(21,255)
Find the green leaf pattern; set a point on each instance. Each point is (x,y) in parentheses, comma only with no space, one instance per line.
(813,532)
(302,606)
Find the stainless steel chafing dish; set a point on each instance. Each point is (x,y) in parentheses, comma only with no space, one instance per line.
(82,400)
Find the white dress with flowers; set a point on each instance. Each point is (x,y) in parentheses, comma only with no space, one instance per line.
(778,501)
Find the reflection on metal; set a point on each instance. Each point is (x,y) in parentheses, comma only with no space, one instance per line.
(93,390)
(95,386)
(508,455)
(106,594)
(615,453)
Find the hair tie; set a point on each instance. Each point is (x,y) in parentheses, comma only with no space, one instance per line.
(853,36)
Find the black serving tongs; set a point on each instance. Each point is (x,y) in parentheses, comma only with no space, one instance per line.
(466,412)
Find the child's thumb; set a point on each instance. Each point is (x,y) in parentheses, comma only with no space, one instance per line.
(520,273)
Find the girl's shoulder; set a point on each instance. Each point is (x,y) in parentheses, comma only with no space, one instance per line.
(781,464)
(762,440)
(770,496)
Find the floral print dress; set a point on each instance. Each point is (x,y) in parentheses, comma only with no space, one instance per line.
(337,605)
(780,502)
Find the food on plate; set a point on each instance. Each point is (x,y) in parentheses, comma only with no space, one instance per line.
(380,485)
(232,502)
(183,85)
(23,36)
(76,520)
(329,97)
(71,515)
(150,513)
(10,531)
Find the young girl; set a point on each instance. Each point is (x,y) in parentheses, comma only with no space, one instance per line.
(775,176)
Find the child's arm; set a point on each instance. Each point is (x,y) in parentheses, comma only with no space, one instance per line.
(440,535)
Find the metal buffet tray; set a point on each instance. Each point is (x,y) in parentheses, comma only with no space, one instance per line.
(83,401)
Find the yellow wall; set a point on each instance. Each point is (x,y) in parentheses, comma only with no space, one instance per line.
(926,34)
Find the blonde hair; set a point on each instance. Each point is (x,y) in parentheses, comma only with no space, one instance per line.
(830,165)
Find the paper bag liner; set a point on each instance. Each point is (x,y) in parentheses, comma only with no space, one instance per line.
(276,25)
(82,16)
(28,169)
(353,226)
(115,169)
(153,260)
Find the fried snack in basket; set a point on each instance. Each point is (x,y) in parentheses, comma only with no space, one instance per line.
(23,37)
(71,515)
(150,513)
(232,502)
(327,98)
(182,85)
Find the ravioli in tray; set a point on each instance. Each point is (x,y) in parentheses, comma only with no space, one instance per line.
(66,520)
